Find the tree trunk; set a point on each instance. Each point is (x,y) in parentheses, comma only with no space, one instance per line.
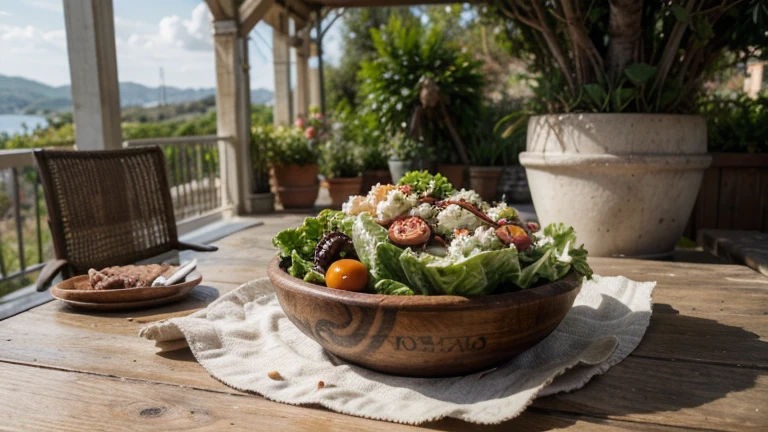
(624,29)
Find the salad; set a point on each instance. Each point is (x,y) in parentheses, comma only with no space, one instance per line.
(424,237)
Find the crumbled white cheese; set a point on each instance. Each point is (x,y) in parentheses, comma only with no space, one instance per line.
(466,245)
(455,217)
(425,211)
(469,196)
(396,204)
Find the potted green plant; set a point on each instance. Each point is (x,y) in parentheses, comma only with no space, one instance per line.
(487,157)
(294,155)
(422,86)
(406,154)
(615,151)
(262,200)
(362,128)
(341,165)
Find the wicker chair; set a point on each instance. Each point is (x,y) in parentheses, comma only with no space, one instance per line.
(107,208)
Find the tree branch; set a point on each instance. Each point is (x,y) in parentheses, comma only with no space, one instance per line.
(625,31)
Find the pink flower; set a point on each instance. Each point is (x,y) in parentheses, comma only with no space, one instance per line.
(310,132)
(299,123)
(319,116)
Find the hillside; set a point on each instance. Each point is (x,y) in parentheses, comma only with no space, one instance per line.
(21,95)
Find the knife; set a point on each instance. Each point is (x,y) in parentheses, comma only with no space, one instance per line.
(180,274)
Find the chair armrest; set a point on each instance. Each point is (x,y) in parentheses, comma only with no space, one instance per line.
(49,271)
(197,247)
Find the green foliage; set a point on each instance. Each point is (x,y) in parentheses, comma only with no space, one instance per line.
(341,157)
(490,145)
(357,45)
(361,128)
(408,54)
(424,183)
(299,144)
(737,124)
(576,69)
(402,148)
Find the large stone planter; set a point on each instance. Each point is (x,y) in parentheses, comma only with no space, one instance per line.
(625,182)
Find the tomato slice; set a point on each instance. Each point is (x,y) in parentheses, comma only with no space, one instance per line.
(410,231)
(513,234)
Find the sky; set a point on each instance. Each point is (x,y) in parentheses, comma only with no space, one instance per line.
(150,34)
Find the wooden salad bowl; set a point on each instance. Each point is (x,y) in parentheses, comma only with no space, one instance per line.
(424,336)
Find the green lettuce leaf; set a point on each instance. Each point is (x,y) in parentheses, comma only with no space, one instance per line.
(392,287)
(553,257)
(314,277)
(334,220)
(366,235)
(479,274)
(386,263)
(302,239)
(299,266)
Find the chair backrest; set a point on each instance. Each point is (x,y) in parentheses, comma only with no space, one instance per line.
(109,207)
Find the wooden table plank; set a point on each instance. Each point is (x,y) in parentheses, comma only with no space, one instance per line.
(673,393)
(43,399)
(710,323)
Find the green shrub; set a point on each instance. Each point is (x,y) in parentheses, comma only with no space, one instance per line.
(736,124)
(410,54)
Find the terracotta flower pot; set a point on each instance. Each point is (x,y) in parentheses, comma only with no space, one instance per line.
(371,178)
(485,181)
(454,173)
(341,189)
(297,185)
(625,182)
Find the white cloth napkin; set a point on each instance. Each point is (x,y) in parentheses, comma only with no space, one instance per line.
(244,335)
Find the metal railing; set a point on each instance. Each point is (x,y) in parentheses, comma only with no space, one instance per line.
(193,171)
(25,243)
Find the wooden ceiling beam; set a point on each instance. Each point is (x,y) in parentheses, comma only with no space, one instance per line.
(251,12)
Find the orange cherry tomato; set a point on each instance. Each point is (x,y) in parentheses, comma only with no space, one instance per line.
(347,275)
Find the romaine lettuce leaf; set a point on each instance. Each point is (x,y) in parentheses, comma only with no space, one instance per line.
(392,287)
(366,235)
(479,274)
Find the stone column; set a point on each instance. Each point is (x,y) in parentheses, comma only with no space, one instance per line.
(302,75)
(233,113)
(281,58)
(90,29)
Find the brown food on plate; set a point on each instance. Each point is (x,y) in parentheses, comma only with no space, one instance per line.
(130,276)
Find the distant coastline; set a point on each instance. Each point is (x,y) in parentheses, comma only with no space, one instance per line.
(14,123)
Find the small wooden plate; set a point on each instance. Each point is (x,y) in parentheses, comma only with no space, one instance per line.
(67,291)
(129,305)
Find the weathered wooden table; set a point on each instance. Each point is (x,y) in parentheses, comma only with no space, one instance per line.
(703,363)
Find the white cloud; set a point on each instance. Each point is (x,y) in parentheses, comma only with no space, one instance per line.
(49,5)
(4,13)
(32,39)
(193,34)
(33,53)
